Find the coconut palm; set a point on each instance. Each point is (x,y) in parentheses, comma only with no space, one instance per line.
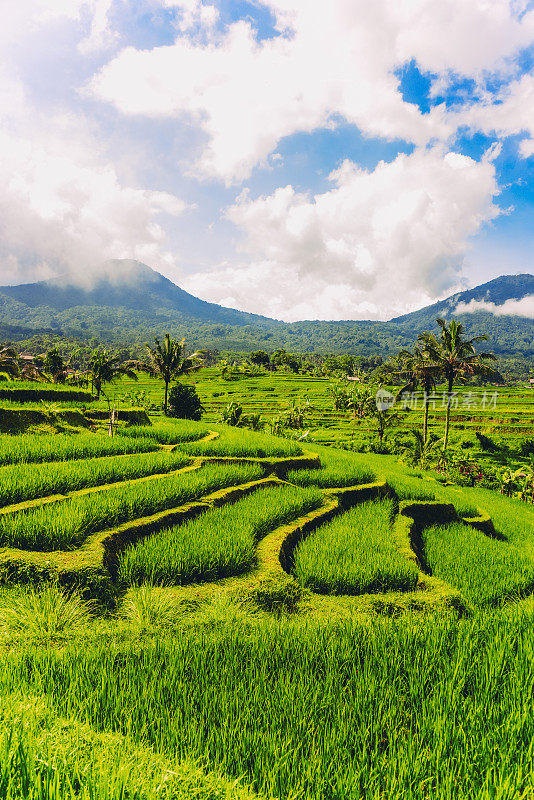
(457,359)
(104,368)
(421,371)
(168,360)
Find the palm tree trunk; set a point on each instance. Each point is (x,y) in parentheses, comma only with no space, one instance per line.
(448,414)
(425,419)
(166,393)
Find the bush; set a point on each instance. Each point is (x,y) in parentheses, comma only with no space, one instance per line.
(184,402)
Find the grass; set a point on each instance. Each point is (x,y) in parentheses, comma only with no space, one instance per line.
(338,468)
(485,570)
(64,525)
(46,757)
(167,432)
(19,482)
(26,447)
(218,544)
(237,442)
(354,554)
(44,614)
(414,708)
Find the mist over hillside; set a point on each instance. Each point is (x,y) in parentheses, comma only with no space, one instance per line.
(127,302)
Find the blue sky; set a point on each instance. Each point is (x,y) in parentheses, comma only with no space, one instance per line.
(288,157)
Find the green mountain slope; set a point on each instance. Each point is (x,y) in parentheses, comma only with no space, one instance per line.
(130,303)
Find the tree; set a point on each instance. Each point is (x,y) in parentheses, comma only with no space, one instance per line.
(55,366)
(456,359)
(260,358)
(8,363)
(184,402)
(104,368)
(168,361)
(422,371)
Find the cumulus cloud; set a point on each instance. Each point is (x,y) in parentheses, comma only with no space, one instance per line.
(377,244)
(506,113)
(519,308)
(334,61)
(63,206)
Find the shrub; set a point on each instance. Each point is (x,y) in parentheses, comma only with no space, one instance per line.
(184,402)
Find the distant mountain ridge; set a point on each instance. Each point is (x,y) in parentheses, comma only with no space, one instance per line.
(128,302)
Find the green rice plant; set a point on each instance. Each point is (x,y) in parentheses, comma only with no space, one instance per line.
(354,553)
(217,544)
(485,570)
(512,519)
(338,468)
(37,448)
(147,607)
(239,443)
(45,757)
(65,524)
(438,706)
(44,613)
(167,432)
(32,391)
(19,482)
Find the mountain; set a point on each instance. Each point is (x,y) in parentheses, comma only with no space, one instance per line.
(129,303)
(498,291)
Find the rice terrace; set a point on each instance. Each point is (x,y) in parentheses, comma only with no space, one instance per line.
(267,400)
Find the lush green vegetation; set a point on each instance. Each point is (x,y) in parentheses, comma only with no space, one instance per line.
(354,554)
(24,481)
(217,544)
(30,391)
(65,447)
(435,707)
(235,442)
(65,524)
(338,468)
(166,432)
(485,570)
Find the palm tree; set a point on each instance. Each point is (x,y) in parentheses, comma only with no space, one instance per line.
(421,371)
(168,361)
(457,359)
(104,368)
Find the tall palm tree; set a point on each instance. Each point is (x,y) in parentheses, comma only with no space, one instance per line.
(104,368)
(168,361)
(421,371)
(457,359)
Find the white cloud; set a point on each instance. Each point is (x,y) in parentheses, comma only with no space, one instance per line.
(247,95)
(526,148)
(509,112)
(374,246)
(520,308)
(62,204)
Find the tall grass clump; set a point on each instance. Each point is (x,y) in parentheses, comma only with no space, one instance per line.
(338,468)
(167,432)
(435,707)
(64,524)
(147,607)
(355,553)
(485,570)
(20,482)
(44,613)
(39,448)
(238,442)
(217,544)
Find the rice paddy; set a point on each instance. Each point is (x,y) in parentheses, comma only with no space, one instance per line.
(217,544)
(485,570)
(355,553)
(35,448)
(239,443)
(65,524)
(27,481)
(180,685)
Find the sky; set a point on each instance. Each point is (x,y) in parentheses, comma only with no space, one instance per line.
(292,158)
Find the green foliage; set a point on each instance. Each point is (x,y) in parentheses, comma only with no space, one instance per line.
(238,443)
(355,554)
(168,360)
(338,468)
(20,482)
(44,613)
(30,391)
(65,524)
(485,570)
(146,607)
(278,595)
(66,447)
(167,431)
(184,402)
(217,544)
